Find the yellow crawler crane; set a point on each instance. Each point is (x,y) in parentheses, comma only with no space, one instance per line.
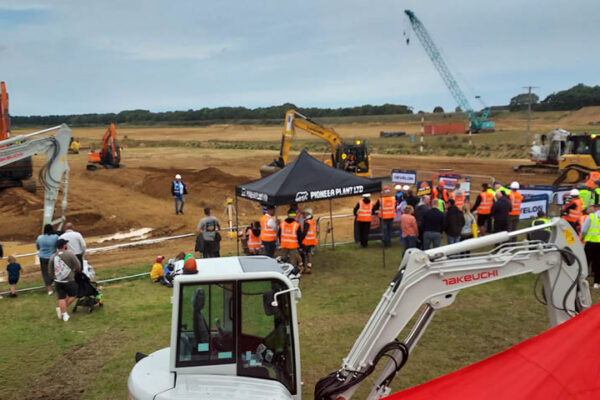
(352,157)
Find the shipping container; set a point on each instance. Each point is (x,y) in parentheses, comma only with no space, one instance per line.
(444,129)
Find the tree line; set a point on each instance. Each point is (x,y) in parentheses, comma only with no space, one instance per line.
(571,99)
(207,115)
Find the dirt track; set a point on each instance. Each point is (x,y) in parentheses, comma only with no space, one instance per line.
(110,201)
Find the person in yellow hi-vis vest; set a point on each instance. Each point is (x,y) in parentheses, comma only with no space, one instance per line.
(590,232)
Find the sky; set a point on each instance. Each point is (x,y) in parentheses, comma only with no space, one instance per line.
(73,56)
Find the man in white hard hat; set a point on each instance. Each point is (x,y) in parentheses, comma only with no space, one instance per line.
(399,195)
(516,199)
(363,211)
(573,210)
(178,190)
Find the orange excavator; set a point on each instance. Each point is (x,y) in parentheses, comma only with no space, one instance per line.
(18,173)
(110,154)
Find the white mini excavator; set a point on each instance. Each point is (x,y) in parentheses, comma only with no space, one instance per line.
(234,329)
(54,173)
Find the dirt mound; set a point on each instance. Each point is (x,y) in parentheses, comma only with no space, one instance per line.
(585,116)
(19,201)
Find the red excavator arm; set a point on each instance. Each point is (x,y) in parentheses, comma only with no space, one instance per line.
(4,117)
(110,154)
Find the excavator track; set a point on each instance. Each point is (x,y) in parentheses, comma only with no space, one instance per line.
(536,169)
(572,174)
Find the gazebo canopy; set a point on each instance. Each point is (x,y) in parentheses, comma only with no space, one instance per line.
(306,179)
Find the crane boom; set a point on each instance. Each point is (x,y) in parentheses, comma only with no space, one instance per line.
(436,58)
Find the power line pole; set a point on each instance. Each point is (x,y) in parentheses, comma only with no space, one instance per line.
(529,112)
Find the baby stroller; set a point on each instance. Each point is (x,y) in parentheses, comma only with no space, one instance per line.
(88,294)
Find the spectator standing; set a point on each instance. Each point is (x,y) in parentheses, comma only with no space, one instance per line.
(410,231)
(467,229)
(62,268)
(420,211)
(209,228)
(573,210)
(268,231)
(399,194)
(310,240)
(591,235)
(14,270)
(46,245)
(453,223)
(178,190)
(411,199)
(433,226)
(386,205)
(75,241)
(253,238)
(291,235)
(500,210)
(483,207)
(516,199)
(363,212)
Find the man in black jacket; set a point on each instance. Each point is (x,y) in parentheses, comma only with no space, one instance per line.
(433,226)
(500,211)
(453,223)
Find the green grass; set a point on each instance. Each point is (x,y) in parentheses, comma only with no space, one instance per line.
(92,354)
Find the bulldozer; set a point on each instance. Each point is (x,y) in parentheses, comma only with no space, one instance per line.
(576,158)
(110,154)
(351,157)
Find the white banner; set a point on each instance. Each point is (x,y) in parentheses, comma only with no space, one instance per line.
(533,204)
(407,177)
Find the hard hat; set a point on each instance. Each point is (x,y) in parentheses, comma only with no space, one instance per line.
(514,185)
(177,176)
(159,259)
(398,187)
(405,187)
(291,212)
(574,192)
(367,195)
(308,210)
(386,188)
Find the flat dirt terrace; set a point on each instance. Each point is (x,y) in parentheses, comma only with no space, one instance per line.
(106,202)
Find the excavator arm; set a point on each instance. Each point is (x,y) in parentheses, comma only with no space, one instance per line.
(4,117)
(293,120)
(434,278)
(56,170)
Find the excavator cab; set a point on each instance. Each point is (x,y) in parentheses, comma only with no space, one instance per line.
(354,158)
(580,159)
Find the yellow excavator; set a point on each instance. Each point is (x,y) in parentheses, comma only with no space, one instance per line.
(576,158)
(352,157)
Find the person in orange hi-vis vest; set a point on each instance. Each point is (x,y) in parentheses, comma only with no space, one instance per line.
(385,207)
(516,199)
(460,196)
(573,210)
(268,231)
(483,207)
(253,238)
(290,237)
(363,211)
(310,240)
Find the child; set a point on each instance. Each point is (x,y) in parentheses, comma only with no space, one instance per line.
(13,269)
(157,274)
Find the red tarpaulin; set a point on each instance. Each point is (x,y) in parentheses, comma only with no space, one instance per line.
(561,363)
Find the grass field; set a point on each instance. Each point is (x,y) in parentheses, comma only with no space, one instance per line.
(90,356)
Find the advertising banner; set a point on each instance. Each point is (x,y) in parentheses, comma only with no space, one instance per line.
(532,204)
(404,176)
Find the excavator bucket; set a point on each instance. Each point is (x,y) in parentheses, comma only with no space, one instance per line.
(266,170)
